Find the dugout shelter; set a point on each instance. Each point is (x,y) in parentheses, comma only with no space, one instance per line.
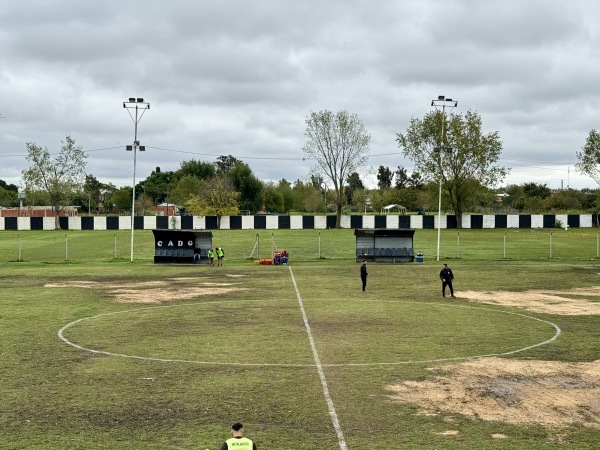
(389,245)
(177,246)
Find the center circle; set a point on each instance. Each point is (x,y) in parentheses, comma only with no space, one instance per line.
(272,333)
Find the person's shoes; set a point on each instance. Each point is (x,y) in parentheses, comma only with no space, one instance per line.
(452,296)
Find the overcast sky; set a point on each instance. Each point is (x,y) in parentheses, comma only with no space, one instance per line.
(239,78)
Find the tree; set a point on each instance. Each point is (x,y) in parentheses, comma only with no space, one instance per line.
(273,199)
(462,155)
(340,145)
(187,186)
(589,157)
(62,177)
(217,197)
(354,184)
(401,178)
(248,186)
(384,177)
(226,163)
(198,169)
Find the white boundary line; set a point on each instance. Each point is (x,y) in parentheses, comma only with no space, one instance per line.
(330,406)
(396,363)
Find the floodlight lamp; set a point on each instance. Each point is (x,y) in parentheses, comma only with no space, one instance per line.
(441,97)
(132,100)
(136,143)
(142,148)
(129,148)
(140,100)
(448,99)
(432,103)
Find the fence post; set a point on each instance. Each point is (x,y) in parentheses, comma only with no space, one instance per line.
(505,245)
(66,248)
(19,246)
(115,236)
(319,245)
(551,245)
(458,244)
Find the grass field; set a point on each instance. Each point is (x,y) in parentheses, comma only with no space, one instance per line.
(101,353)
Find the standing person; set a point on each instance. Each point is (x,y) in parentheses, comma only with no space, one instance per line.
(363,274)
(197,254)
(211,257)
(238,441)
(447,276)
(220,254)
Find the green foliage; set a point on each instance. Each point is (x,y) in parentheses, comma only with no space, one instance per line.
(463,154)
(384,177)
(339,143)
(216,197)
(185,187)
(61,177)
(273,199)
(589,156)
(248,186)
(120,200)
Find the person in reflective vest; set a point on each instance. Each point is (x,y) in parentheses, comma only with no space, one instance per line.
(220,254)
(211,257)
(238,441)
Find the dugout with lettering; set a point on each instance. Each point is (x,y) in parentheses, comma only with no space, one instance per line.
(177,246)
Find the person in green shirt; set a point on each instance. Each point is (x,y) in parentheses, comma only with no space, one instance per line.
(211,257)
(220,254)
(238,441)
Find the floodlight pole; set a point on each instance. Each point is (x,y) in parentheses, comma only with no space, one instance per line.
(139,105)
(442,102)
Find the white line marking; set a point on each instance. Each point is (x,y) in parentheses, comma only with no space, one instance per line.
(332,413)
(391,363)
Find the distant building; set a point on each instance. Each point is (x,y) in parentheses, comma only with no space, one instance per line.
(166,209)
(500,197)
(38,211)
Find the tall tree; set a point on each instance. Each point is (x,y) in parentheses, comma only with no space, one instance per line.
(61,177)
(354,184)
(463,154)
(401,177)
(248,186)
(226,163)
(339,143)
(384,177)
(217,197)
(589,157)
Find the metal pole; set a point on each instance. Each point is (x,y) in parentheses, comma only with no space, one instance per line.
(550,245)
(257,247)
(319,245)
(66,248)
(133,191)
(458,244)
(19,247)
(505,245)
(597,245)
(439,227)
(115,239)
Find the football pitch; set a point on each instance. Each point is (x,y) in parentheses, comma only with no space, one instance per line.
(99,352)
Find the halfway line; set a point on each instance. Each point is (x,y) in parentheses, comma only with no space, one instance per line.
(332,413)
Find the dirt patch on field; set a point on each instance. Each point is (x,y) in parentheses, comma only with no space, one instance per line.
(516,392)
(577,301)
(548,393)
(169,290)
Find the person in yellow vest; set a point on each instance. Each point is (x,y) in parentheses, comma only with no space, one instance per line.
(220,254)
(238,441)
(211,257)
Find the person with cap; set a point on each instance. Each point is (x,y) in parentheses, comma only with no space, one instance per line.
(211,257)
(363,274)
(447,276)
(238,441)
